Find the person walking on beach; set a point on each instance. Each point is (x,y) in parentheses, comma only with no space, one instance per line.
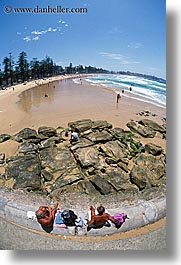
(118,97)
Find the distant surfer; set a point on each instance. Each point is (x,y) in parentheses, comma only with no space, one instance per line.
(130,89)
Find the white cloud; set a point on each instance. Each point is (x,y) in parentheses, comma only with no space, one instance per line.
(135,45)
(27,38)
(116,56)
(36,38)
(36,34)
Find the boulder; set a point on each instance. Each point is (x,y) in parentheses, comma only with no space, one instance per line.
(4,137)
(47,131)
(80,125)
(114,150)
(153,125)
(57,160)
(153,149)
(99,137)
(147,171)
(26,171)
(119,179)
(67,178)
(46,175)
(27,147)
(87,157)
(2,158)
(132,125)
(25,134)
(83,142)
(2,180)
(100,125)
(87,187)
(122,135)
(138,176)
(101,184)
(144,131)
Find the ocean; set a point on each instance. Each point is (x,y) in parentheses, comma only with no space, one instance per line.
(143,89)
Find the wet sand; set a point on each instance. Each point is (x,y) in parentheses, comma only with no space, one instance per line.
(67,101)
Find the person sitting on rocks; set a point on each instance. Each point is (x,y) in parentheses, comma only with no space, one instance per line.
(99,220)
(74,136)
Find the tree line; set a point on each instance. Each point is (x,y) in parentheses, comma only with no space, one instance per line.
(23,70)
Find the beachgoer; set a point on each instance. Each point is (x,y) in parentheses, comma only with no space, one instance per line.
(46,95)
(130,89)
(74,136)
(99,220)
(122,90)
(118,97)
(13,88)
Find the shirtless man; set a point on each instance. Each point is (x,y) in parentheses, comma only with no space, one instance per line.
(99,220)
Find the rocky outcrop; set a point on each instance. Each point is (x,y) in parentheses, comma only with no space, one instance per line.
(146,128)
(4,137)
(2,158)
(25,171)
(105,160)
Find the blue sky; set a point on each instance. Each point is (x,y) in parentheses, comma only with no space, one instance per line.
(127,35)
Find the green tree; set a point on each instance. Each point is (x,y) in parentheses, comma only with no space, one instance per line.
(35,68)
(23,66)
(6,74)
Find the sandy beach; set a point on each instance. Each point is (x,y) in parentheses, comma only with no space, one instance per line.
(27,106)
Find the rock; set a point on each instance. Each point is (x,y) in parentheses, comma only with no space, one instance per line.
(47,131)
(57,159)
(136,147)
(100,125)
(66,179)
(87,157)
(153,149)
(2,158)
(132,126)
(114,150)
(148,171)
(99,137)
(47,143)
(2,180)
(138,176)
(80,125)
(25,134)
(87,187)
(118,179)
(4,137)
(101,184)
(123,166)
(47,175)
(153,125)
(122,135)
(83,142)
(27,147)
(146,132)
(105,160)
(26,171)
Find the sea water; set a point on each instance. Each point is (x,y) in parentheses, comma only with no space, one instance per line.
(143,89)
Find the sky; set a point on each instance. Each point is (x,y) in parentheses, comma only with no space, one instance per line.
(118,35)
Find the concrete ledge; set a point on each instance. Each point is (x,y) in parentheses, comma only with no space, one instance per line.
(140,213)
